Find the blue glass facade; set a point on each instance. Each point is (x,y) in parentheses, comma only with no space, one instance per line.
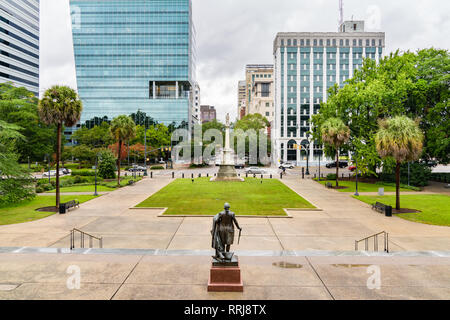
(134,55)
(19,43)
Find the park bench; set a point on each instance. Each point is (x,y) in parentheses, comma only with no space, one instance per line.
(382,208)
(63,207)
(329,185)
(131,182)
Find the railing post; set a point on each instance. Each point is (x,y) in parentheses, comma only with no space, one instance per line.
(367,244)
(90,241)
(375,244)
(387,242)
(101,243)
(356,245)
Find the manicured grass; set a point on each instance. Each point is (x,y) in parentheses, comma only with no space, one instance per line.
(86,188)
(362,186)
(435,207)
(203,197)
(25,211)
(123,181)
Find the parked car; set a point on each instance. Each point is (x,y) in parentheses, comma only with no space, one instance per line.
(255,170)
(52,173)
(137,169)
(352,168)
(287,165)
(342,164)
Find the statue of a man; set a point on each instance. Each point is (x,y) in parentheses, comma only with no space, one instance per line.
(223,233)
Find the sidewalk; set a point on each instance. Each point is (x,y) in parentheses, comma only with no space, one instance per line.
(125,277)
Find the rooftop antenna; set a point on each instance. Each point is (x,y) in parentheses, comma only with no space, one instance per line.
(341,12)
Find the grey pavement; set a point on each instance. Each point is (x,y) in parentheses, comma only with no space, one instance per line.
(135,277)
(342,221)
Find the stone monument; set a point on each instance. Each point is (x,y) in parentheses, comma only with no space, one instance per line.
(227,172)
(225,273)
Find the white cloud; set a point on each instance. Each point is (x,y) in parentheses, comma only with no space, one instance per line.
(233,33)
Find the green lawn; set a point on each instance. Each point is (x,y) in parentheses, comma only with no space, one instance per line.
(25,211)
(203,197)
(435,207)
(362,186)
(88,188)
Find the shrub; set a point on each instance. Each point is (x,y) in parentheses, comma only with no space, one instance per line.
(84,173)
(441,177)
(420,174)
(157,168)
(107,165)
(80,179)
(331,176)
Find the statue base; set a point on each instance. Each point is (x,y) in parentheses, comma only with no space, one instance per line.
(227,172)
(225,276)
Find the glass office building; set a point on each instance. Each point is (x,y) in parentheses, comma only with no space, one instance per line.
(306,66)
(19,43)
(134,55)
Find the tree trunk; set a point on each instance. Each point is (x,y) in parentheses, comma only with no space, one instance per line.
(119,151)
(397,186)
(58,155)
(337,167)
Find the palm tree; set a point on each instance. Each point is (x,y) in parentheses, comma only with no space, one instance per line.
(60,106)
(400,138)
(122,129)
(335,133)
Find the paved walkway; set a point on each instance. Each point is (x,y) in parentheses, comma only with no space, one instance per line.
(175,277)
(342,221)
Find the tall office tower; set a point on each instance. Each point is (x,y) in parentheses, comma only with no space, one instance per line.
(19,43)
(242,87)
(260,90)
(306,66)
(196,116)
(135,55)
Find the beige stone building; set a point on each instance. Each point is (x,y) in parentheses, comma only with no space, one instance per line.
(259,91)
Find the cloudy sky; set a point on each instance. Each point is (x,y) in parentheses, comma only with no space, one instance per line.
(233,33)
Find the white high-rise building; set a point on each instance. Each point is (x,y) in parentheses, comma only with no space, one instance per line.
(19,43)
(307,64)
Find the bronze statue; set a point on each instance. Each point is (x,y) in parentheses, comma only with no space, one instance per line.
(223,234)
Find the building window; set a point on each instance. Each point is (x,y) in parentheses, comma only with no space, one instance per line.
(354,42)
(282,42)
(328,42)
(265,89)
(267,104)
(347,43)
(302,42)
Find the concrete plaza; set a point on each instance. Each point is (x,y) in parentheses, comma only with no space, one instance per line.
(308,256)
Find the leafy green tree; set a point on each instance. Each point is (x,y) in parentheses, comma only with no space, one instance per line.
(335,133)
(15,182)
(122,129)
(106,165)
(83,153)
(96,137)
(399,138)
(60,106)
(20,107)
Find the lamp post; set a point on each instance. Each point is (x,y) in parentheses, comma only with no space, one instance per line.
(96,168)
(307,145)
(47,159)
(145,151)
(320,154)
(356,181)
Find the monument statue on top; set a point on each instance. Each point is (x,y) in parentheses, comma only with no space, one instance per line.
(223,234)
(227,172)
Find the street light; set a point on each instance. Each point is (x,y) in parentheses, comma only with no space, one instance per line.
(356,181)
(145,151)
(47,159)
(307,145)
(96,167)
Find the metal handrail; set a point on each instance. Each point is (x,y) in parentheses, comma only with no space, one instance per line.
(375,242)
(82,242)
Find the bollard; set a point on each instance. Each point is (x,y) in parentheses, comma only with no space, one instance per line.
(254,175)
(199,175)
(262,176)
(270,176)
(151,175)
(173,175)
(192,176)
(281,175)
(314,175)
(182,175)
(207,175)
(126,174)
(246,175)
